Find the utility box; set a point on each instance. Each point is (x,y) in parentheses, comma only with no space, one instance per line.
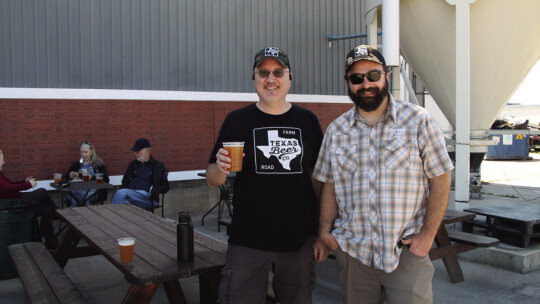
(510,145)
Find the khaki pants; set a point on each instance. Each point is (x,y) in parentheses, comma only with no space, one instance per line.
(409,283)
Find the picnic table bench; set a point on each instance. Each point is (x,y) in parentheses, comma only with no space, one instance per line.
(43,279)
(449,243)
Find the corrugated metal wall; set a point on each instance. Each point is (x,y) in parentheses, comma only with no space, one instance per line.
(188,45)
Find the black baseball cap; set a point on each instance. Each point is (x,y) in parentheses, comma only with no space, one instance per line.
(364,52)
(140,144)
(272,52)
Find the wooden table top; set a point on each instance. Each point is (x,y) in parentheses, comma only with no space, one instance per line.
(155,258)
(514,211)
(455,216)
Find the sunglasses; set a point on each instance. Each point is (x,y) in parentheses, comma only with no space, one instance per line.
(358,78)
(277,73)
(88,144)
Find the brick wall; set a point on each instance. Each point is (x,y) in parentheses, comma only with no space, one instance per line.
(40,137)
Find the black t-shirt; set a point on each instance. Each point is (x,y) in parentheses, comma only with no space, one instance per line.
(274,202)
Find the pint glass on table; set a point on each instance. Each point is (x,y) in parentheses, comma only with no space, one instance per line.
(127,247)
(57,178)
(99,178)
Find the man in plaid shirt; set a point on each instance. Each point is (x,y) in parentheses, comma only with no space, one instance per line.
(386,182)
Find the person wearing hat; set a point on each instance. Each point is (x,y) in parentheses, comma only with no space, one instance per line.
(275,203)
(144,180)
(385,175)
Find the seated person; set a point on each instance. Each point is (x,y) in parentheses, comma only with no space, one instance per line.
(93,164)
(144,180)
(44,206)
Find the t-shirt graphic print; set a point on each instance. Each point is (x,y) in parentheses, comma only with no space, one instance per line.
(278,150)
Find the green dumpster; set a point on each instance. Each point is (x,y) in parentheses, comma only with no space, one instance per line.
(15,227)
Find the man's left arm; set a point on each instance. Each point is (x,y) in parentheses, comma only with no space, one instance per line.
(439,192)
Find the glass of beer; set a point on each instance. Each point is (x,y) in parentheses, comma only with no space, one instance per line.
(127,247)
(99,178)
(57,178)
(236,154)
(85,175)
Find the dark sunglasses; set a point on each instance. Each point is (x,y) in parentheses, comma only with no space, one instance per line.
(358,78)
(88,144)
(277,73)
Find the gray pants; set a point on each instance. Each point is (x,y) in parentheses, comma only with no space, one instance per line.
(409,283)
(244,279)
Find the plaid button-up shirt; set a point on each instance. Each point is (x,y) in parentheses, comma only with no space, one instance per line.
(380,175)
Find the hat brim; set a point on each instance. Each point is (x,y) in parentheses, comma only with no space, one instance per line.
(365,59)
(271,57)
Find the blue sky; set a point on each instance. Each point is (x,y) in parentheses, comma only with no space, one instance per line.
(529,93)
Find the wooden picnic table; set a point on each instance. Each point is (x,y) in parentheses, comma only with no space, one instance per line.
(155,259)
(447,251)
(516,224)
(450,243)
(80,185)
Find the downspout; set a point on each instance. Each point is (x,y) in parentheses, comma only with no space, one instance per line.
(463,99)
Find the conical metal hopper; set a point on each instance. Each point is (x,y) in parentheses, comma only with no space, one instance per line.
(505,45)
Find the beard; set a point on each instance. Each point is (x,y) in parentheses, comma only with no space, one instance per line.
(372,103)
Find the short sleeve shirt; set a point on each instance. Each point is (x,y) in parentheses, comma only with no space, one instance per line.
(380,175)
(274,202)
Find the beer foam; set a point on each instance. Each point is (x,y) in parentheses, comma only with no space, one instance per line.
(233,144)
(126,241)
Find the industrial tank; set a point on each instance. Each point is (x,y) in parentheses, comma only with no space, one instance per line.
(505,45)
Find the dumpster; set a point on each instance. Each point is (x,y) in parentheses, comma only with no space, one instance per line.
(510,146)
(15,227)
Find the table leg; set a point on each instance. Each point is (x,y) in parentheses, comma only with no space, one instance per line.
(86,199)
(64,200)
(174,292)
(491,226)
(140,294)
(66,248)
(208,287)
(450,259)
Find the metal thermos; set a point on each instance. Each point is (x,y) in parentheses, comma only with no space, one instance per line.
(184,237)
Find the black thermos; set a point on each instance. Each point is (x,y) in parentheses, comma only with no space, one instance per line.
(184,237)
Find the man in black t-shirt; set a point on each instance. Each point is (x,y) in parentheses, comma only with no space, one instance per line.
(275,198)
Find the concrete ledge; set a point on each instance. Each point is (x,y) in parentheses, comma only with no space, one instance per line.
(521,260)
(189,192)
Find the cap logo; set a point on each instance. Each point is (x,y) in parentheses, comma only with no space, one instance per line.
(361,51)
(271,51)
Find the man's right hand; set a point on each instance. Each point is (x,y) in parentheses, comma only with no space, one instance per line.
(223,162)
